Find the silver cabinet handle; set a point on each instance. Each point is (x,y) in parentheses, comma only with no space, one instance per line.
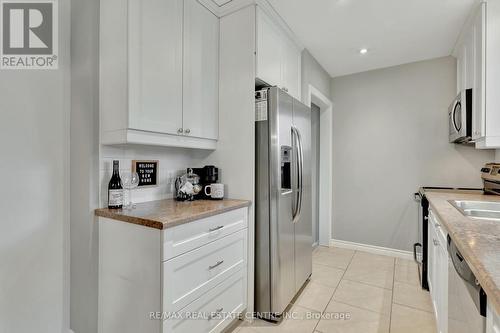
(220,262)
(216,228)
(187,131)
(436,243)
(180,130)
(215,314)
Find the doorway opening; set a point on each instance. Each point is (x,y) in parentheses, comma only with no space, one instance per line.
(315,149)
(322,198)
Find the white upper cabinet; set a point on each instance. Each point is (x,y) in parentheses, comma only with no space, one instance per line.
(278,56)
(476,51)
(291,69)
(159,73)
(201,72)
(269,57)
(155,65)
(478,99)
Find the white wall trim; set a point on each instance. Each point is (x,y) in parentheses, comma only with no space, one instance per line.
(325,163)
(372,249)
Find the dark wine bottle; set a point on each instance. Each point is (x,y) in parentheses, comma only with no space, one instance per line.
(115,188)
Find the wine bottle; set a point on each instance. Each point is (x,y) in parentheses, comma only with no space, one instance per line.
(115,188)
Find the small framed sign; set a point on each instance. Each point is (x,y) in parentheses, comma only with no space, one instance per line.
(147,171)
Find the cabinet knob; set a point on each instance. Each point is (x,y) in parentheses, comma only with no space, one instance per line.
(180,130)
(187,131)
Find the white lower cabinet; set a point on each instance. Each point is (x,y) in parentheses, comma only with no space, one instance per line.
(189,278)
(492,320)
(438,271)
(213,311)
(198,271)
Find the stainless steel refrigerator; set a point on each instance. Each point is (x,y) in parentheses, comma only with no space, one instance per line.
(283,208)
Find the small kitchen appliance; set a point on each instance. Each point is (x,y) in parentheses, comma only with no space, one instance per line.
(491,178)
(460,118)
(209,174)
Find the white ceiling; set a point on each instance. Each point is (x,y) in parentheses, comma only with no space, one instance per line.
(394,31)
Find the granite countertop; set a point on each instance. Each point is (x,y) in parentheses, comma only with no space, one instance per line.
(168,213)
(477,240)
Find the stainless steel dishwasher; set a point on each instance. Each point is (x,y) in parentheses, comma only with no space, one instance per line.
(466,298)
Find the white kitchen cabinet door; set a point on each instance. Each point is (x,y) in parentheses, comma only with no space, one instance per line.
(291,69)
(269,48)
(492,320)
(442,288)
(469,59)
(478,99)
(431,255)
(438,271)
(462,66)
(201,72)
(155,65)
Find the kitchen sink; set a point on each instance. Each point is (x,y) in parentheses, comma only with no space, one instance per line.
(478,209)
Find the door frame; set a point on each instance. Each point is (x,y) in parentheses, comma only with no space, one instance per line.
(314,96)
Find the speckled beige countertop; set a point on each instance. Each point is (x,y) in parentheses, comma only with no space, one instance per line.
(164,214)
(477,240)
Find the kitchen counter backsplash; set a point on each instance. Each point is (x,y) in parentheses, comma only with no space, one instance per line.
(172,163)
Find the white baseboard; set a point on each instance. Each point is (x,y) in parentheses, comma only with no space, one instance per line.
(372,249)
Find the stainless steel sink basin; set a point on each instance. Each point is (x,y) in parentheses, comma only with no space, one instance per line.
(478,209)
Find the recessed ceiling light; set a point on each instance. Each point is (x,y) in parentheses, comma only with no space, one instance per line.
(363,51)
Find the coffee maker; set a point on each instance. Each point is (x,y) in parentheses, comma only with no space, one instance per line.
(209,174)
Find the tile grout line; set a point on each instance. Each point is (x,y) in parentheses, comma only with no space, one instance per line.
(334,290)
(392,294)
(367,284)
(334,267)
(412,307)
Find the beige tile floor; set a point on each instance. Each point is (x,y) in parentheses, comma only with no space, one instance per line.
(356,292)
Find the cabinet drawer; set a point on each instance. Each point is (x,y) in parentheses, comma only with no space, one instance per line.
(188,276)
(213,311)
(186,237)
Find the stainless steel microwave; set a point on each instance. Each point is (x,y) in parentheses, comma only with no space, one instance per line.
(460,117)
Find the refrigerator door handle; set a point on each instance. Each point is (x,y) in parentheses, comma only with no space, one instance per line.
(301,172)
(295,204)
(300,169)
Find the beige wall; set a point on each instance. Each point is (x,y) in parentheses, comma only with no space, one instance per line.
(390,138)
